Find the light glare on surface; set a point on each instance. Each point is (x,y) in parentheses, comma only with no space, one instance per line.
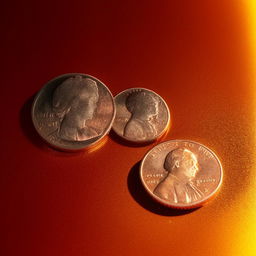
(244,237)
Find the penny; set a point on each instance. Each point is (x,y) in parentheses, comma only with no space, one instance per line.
(141,115)
(73,111)
(181,174)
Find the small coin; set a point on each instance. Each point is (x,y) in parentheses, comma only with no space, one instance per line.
(141,115)
(73,111)
(181,174)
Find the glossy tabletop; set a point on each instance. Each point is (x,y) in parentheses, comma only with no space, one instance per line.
(198,55)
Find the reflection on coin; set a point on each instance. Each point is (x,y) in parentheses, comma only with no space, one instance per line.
(141,115)
(73,111)
(181,174)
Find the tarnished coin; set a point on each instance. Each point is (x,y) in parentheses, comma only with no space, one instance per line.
(181,174)
(141,115)
(73,111)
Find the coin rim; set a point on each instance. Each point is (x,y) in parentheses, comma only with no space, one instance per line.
(67,148)
(181,205)
(166,128)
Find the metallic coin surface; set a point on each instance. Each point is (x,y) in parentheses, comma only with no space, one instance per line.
(141,115)
(73,111)
(181,174)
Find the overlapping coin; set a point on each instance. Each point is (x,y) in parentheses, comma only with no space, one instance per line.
(141,115)
(181,174)
(73,111)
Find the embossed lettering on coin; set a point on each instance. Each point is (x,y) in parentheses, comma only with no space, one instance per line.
(73,111)
(142,115)
(181,174)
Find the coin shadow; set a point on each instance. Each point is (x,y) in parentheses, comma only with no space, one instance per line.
(27,126)
(124,142)
(140,195)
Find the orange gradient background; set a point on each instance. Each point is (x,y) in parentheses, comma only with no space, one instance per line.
(200,56)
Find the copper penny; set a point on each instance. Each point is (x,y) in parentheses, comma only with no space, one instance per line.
(141,115)
(181,174)
(73,111)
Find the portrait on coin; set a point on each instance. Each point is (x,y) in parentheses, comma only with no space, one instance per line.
(177,186)
(143,106)
(74,101)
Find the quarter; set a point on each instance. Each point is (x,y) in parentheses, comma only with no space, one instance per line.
(181,174)
(73,111)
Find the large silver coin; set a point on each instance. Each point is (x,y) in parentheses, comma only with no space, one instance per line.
(73,111)
(141,115)
(181,174)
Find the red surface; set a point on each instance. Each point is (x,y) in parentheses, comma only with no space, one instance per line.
(195,54)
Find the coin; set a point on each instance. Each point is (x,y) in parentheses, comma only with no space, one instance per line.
(141,115)
(73,111)
(181,174)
